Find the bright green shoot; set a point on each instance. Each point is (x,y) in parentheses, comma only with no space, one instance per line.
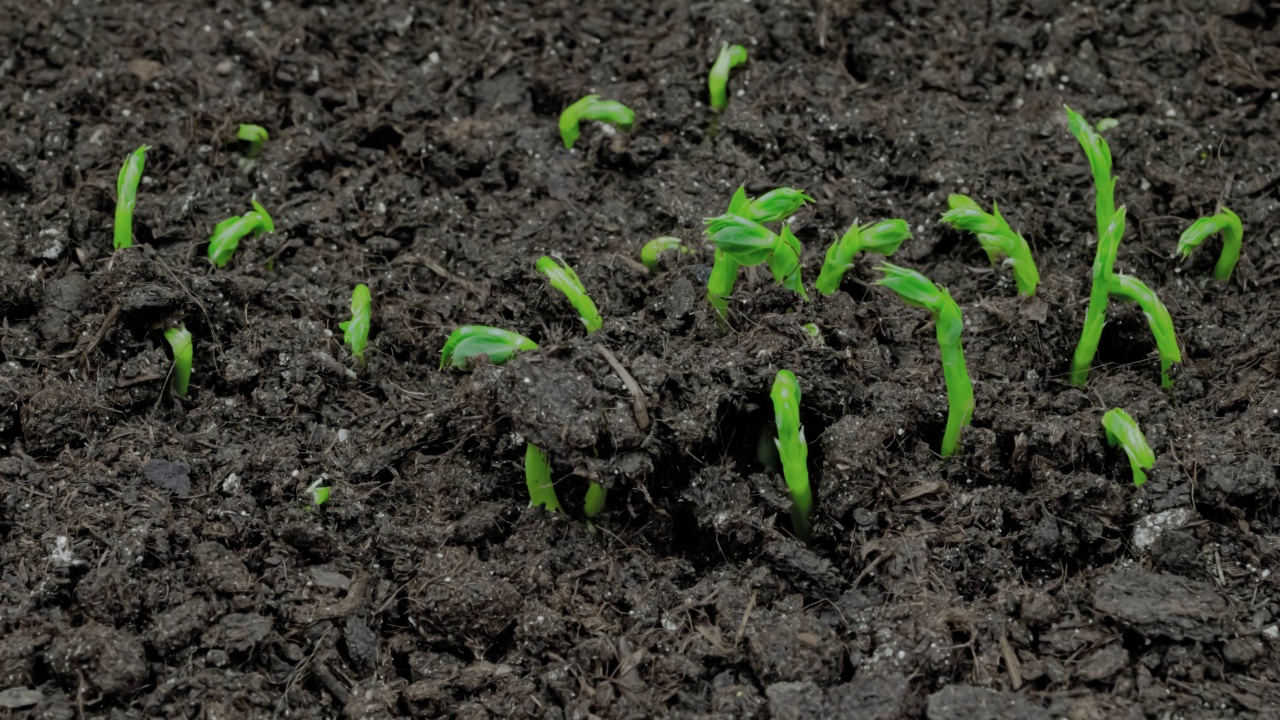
(227,234)
(537,475)
(1099,155)
(777,204)
(730,57)
(747,243)
(1225,222)
(997,239)
(883,238)
(1123,430)
(655,247)
(564,279)
(127,196)
(592,107)
(793,450)
(1099,295)
(916,289)
(319,492)
(179,340)
(255,135)
(593,503)
(1134,290)
(355,332)
(471,341)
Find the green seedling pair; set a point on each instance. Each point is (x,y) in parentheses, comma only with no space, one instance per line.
(741,240)
(227,234)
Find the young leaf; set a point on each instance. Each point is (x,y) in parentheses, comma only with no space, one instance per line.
(564,279)
(127,196)
(180,342)
(784,263)
(355,332)
(793,450)
(537,476)
(227,234)
(1225,222)
(731,56)
(255,136)
(471,341)
(777,205)
(996,238)
(1099,155)
(1122,430)
(747,242)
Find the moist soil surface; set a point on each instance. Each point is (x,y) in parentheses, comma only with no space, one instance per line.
(160,556)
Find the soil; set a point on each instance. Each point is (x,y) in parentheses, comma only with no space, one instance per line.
(159,556)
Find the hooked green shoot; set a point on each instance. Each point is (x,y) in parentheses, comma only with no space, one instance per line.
(592,107)
(747,243)
(793,451)
(227,234)
(179,340)
(883,238)
(655,247)
(916,289)
(1225,222)
(1099,155)
(777,204)
(255,135)
(996,238)
(319,493)
(1161,324)
(355,332)
(564,279)
(537,476)
(127,196)
(730,57)
(471,341)
(1095,316)
(1123,430)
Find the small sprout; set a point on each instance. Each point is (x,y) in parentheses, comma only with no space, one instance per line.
(319,493)
(1106,124)
(916,289)
(793,450)
(784,263)
(655,247)
(1123,430)
(1099,155)
(127,196)
(996,238)
(593,503)
(1134,290)
(778,204)
(537,476)
(471,341)
(355,332)
(255,135)
(179,340)
(1225,222)
(1095,316)
(564,279)
(592,107)
(883,238)
(730,57)
(742,242)
(812,329)
(227,234)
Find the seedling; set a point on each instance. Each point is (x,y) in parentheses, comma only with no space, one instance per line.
(180,342)
(355,332)
(228,233)
(319,493)
(537,475)
(1161,324)
(1225,222)
(564,279)
(996,238)
(916,289)
(592,107)
(883,238)
(1122,430)
(1099,155)
(255,135)
(655,247)
(593,503)
(730,57)
(793,450)
(724,273)
(778,204)
(127,196)
(471,341)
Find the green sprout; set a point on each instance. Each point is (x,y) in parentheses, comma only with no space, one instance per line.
(471,341)
(748,243)
(883,238)
(996,238)
(127,196)
(1225,222)
(319,493)
(592,107)
(179,340)
(793,450)
(655,247)
(1134,290)
(593,503)
(730,57)
(228,233)
(812,329)
(355,332)
(564,279)
(1123,430)
(724,272)
(537,475)
(1099,155)
(255,135)
(916,289)
(778,204)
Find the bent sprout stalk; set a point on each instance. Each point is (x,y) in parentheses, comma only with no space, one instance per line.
(883,238)
(471,341)
(127,196)
(355,332)
(592,107)
(655,247)
(1123,430)
(1134,290)
(1225,222)
(730,57)
(255,135)
(1099,155)
(179,340)
(916,289)
(793,451)
(537,477)
(1095,316)
(227,234)
(564,279)
(996,238)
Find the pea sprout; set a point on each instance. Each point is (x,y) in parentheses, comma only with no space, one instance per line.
(180,342)
(730,57)
(1225,222)
(564,279)
(127,196)
(592,107)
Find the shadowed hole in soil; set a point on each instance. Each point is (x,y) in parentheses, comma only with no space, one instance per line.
(383,137)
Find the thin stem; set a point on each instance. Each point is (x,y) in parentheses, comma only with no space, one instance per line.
(724,274)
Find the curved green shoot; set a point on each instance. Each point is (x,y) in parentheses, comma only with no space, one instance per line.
(883,238)
(793,450)
(1123,430)
(730,57)
(592,107)
(747,243)
(916,289)
(227,234)
(777,205)
(1225,222)
(996,238)
(655,247)
(319,493)
(179,340)
(471,341)
(564,279)
(255,135)
(1099,295)
(127,196)
(537,476)
(1099,155)
(784,263)
(1134,290)
(355,332)
(593,503)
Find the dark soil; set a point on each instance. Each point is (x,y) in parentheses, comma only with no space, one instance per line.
(159,558)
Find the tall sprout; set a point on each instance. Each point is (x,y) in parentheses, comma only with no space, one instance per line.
(127,196)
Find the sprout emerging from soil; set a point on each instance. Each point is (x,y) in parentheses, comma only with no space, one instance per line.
(592,107)
(778,204)
(730,57)
(355,332)
(793,450)
(1123,430)
(883,238)
(1134,290)
(916,289)
(996,238)
(255,135)
(471,341)
(564,279)
(1099,155)
(655,247)
(127,196)
(227,234)
(537,475)
(319,493)
(1225,222)
(179,340)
